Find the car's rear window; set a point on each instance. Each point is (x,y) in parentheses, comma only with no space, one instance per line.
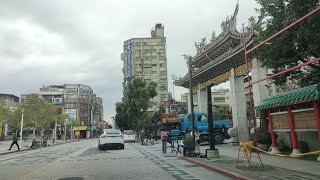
(112,131)
(128,132)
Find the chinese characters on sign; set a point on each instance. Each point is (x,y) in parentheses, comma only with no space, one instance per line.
(129,58)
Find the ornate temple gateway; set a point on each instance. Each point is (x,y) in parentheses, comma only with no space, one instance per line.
(214,60)
(221,60)
(292,117)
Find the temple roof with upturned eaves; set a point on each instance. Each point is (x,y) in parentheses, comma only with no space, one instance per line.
(222,51)
(230,37)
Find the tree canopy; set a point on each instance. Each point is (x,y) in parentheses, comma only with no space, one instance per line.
(131,112)
(297,45)
(38,113)
(4,110)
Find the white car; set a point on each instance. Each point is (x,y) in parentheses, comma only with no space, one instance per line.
(111,138)
(129,136)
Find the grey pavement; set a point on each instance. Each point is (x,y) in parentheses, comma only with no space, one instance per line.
(178,168)
(296,164)
(83,160)
(5,145)
(275,167)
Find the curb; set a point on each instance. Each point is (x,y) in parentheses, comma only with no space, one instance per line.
(21,150)
(10,152)
(214,168)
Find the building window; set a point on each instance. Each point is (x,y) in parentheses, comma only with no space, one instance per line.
(147,65)
(219,99)
(163,88)
(146,72)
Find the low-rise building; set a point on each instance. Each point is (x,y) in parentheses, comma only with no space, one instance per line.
(78,102)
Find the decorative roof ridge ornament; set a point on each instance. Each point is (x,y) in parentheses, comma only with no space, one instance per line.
(230,24)
(187,57)
(200,46)
(213,36)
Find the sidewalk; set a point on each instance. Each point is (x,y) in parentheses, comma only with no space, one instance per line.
(274,167)
(5,145)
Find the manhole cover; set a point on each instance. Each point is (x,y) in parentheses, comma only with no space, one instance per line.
(71,178)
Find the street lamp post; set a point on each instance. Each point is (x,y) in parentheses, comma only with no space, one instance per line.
(65,132)
(21,127)
(173,77)
(71,133)
(189,61)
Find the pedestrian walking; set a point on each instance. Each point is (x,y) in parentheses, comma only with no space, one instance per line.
(164,137)
(142,137)
(14,141)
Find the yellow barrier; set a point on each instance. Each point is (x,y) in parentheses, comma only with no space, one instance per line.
(291,155)
(246,149)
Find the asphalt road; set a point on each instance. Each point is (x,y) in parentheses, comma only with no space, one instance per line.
(83,160)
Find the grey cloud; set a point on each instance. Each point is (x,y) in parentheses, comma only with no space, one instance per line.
(80,41)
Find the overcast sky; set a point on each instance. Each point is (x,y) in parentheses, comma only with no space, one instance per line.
(45,42)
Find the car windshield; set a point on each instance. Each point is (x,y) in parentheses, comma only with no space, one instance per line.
(112,131)
(128,132)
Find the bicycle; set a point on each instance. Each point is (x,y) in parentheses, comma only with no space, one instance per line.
(148,142)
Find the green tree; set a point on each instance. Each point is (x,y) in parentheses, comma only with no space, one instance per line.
(131,112)
(4,111)
(121,117)
(297,45)
(14,119)
(12,116)
(222,112)
(38,113)
(70,123)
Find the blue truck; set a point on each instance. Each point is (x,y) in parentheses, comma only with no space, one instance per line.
(220,127)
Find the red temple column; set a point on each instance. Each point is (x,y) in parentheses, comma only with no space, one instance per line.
(294,141)
(317,118)
(274,147)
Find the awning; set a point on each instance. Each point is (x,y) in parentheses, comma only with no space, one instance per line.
(79,128)
(296,96)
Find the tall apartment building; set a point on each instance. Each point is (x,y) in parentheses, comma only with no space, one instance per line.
(146,58)
(77,101)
